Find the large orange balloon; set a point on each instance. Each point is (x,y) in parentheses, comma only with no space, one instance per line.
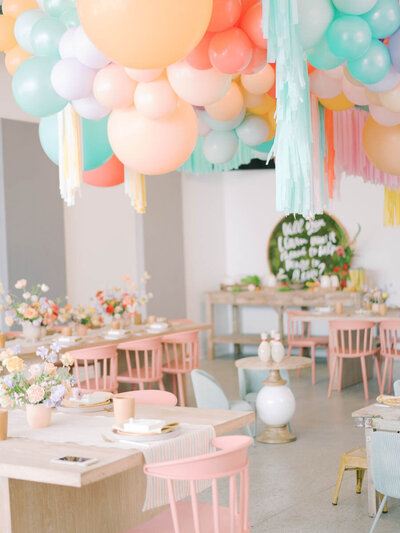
(338,103)
(145,34)
(153,146)
(14,8)
(14,58)
(7,39)
(108,175)
(381,144)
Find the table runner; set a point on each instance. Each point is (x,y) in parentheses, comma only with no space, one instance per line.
(87,430)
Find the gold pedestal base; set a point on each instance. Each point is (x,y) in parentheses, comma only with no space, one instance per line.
(276,435)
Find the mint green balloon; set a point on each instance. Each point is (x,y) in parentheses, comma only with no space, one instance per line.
(349,36)
(56,7)
(383,18)
(354,7)
(314,19)
(321,57)
(373,65)
(70,18)
(46,35)
(32,88)
(96,147)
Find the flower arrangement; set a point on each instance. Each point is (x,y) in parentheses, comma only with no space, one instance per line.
(40,383)
(118,301)
(86,316)
(111,302)
(341,261)
(64,314)
(375,296)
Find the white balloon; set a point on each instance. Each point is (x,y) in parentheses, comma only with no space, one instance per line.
(90,108)
(203,128)
(253,130)
(86,51)
(220,146)
(23,27)
(66,47)
(314,19)
(72,80)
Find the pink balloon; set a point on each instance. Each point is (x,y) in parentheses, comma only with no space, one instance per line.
(113,88)
(199,57)
(354,93)
(230,51)
(86,51)
(323,86)
(203,128)
(155,99)
(383,116)
(66,47)
(143,75)
(72,80)
(197,87)
(335,72)
(90,108)
(108,175)
(153,146)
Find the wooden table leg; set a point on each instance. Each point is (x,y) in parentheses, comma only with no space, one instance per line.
(236,328)
(372,495)
(5,507)
(210,332)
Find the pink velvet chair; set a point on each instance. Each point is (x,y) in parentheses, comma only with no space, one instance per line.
(181,356)
(299,336)
(352,339)
(152,397)
(143,361)
(192,516)
(390,349)
(100,360)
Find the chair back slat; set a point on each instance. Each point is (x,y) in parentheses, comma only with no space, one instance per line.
(297,329)
(390,338)
(143,359)
(98,366)
(181,351)
(351,338)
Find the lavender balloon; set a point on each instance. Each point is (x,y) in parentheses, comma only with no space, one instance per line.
(394,49)
(86,51)
(66,47)
(390,81)
(72,80)
(90,108)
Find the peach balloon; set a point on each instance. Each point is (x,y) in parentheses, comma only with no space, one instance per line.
(266,105)
(229,106)
(198,87)
(335,72)
(354,93)
(251,24)
(384,117)
(155,99)
(145,34)
(230,51)
(339,103)
(373,98)
(381,144)
(252,100)
(113,88)
(14,58)
(391,99)
(108,175)
(323,86)
(199,57)
(261,82)
(144,75)
(14,8)
(7,39)
(153,146)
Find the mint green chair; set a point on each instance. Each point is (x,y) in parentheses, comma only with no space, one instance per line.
(396,387)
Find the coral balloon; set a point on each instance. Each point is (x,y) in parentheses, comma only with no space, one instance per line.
(257,62)
(261,82)
(314,19)
(108,175)
(7,39)
(391,99)
(230,51)
(251,24)
(383,116)
(198,87)
(72,80)
(220,146)
(113,88)
(246,4)
(14,8)
(86,52)
(228,107)
(155,99)
(339,103)
(90,108)
(354,7)
(14,58)
(199,57)
(144,75)
(142,34)
(354,93)
(225,13)
(381,144)
(373,65)
(383,18)
(153,146)
(323,86)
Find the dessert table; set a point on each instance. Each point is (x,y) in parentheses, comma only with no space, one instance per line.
(106,497)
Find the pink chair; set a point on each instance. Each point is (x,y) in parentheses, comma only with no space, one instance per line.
(351,339)
(11,334)
(152,397)
(103,361)
(194,517)
(181,357)
(390,349)
(299,336)
(143,361)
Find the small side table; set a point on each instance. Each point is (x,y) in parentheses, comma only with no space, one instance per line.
(275,402)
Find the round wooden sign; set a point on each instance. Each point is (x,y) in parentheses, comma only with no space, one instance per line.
(301,250)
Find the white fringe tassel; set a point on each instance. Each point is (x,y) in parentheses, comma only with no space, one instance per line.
(135,188)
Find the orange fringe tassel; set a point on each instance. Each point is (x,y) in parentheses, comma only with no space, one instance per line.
(329,161)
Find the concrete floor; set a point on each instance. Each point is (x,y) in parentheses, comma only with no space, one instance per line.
(291,485)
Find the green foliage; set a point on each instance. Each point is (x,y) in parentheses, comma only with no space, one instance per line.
(251,280)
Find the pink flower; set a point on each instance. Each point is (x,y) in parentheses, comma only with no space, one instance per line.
(35,394)
(30,313)
(9,321)
(21,284)
(340,251)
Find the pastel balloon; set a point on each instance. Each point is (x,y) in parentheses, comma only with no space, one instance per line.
(383,18)
(14,58)
(229,106)
(96,148)
(390,81)
(220,146)
(86,51)
(230,51)
(354,93)
(391,99)
(265,146)
(225,13)
(160,146)
(145,35)
(202,127)
(394,49)
(373,65)
(251,24)
(335,72)
(108,175)
(354,7)
(246,4)
(351,78)
(144,75)
(381,144)
(257,62)
(46,35)
(72,80)
(198,87)
(373,98)
(90,108)
(223,125)
(321,57)
(23,27)
(384,117)
(266,105)
(155,99)
(314,19)
(339,103)
(7,39)
(32,87)
(66,47)
(252,100)
(259,83)
(199,57)
(56,7)
(323,86)
(70,18)
(349,36)
(14,8)
(253,130)
(113,88)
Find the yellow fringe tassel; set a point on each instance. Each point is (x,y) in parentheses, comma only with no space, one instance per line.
(392,207)
(70,153)
(135,188)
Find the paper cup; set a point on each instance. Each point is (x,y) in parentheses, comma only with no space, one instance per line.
(124,408)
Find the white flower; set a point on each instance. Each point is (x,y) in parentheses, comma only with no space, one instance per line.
(9,321)
(4,401)
(44,287)
(34,298)
(21,284)
(26,295)
(35,370)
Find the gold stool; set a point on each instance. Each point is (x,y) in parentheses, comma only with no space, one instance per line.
(355,459)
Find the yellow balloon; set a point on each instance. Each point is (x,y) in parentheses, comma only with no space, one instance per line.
(269,117)
(266,105)
(14,8)
(391,99)
(338,103)
(7,39)
(14,58)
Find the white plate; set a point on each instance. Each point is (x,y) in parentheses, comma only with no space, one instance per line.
(146,438)
(363,312)
(324,310)
(82,410)
(68,340)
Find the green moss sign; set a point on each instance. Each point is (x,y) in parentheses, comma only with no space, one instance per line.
(301,250)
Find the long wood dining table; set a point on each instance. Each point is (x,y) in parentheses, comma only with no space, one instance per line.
(37,495)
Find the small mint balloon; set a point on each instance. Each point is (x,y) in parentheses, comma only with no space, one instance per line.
(354,7)
(56,7)
(70,18)
(373,65)
(321,57)
(46,35)
(383,18)
(349,36)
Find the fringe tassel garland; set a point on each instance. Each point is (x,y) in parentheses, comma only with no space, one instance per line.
(135,188)
(392,207)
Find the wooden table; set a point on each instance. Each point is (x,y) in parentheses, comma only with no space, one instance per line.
(267,297)
(107,497)
(372,417)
